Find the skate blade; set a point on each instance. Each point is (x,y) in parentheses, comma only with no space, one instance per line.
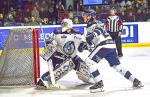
(140,86)
(96,90)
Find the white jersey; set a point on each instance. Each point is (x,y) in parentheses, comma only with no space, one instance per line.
(68,43)
(101,37)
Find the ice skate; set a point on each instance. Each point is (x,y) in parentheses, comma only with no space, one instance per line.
(137,83)
(43,84)
(97,87)
(120,56)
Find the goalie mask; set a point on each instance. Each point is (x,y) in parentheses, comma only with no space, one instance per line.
(66,24)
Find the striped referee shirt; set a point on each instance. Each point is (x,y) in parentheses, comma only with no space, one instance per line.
(113,24)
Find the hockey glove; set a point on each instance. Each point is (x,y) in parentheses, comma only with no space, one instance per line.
(82,46)
(89,38)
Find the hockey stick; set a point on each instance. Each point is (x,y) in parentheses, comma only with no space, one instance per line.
(50,67)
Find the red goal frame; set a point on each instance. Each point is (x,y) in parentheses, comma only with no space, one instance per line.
(36,55)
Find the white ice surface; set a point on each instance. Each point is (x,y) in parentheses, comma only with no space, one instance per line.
(137,60)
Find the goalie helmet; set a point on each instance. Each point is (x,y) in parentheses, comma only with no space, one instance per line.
(66,24)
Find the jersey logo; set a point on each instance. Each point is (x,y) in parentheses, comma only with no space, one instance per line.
(69,47)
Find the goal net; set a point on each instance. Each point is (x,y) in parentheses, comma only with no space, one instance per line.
(19,62)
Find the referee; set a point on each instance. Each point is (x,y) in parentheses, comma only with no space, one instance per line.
(114,25)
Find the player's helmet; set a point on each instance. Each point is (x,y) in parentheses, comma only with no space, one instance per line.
(91,13)
(66,24)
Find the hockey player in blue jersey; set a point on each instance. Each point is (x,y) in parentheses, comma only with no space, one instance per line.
(103,46)
(62,49)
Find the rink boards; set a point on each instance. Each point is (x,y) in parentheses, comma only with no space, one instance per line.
(134,34)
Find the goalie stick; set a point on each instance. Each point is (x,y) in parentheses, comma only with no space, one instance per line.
(50,68)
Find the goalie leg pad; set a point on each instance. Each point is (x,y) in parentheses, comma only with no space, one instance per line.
(61,70)
(84,73)
(82,70)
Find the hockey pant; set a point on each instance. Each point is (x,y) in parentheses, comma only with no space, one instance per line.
(111,56)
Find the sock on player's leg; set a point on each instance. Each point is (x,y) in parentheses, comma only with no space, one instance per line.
(98,86)
(127,74)
(93,70)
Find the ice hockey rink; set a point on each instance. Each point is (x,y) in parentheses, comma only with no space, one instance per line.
(137,60)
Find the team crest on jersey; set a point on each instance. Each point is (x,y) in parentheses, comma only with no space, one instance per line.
(69,47)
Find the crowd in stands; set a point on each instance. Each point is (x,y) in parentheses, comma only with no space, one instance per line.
(33,12)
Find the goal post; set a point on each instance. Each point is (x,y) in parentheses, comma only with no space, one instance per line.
(36,55)
(19,62)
